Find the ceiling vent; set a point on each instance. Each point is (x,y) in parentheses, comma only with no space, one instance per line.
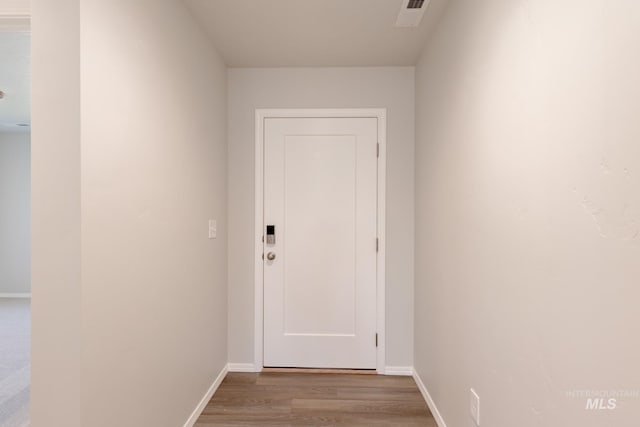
(411,13)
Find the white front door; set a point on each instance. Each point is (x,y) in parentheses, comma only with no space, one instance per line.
(320,197)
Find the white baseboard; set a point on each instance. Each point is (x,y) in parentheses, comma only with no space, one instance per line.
(429,400)
(243,367)
(15,295)
(399,370)
(207,397)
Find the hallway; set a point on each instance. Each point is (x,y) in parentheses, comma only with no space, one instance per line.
(508,268)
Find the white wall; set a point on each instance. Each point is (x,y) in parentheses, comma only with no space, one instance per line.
(253,88)
(139,145)
(528,211)
(15,213)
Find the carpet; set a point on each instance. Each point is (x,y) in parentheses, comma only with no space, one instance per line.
(15,369)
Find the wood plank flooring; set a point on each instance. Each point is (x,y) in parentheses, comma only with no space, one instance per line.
(310,399)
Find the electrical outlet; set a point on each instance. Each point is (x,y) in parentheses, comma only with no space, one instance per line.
(474,406)
(213,229)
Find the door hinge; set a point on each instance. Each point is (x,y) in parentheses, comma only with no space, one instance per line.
(377,244)
(376,339)
(378,150)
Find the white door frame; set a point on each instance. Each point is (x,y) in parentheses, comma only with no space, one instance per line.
(261,115)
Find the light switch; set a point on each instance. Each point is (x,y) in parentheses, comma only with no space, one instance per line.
(213,229)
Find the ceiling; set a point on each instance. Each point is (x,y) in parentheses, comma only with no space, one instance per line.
(312,33)
(15,75)
(15,7)
(15,15)
(251,33)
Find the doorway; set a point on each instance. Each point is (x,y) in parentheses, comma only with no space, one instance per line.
(320,178)
(15,225)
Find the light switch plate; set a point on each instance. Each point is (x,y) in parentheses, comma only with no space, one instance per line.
(474,406)
(213,229)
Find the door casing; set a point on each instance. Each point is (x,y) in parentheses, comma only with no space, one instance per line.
(261,115)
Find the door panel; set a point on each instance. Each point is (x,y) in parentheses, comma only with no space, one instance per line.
(321,195)
(319,211)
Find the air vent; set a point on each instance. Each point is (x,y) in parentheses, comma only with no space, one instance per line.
(411,13)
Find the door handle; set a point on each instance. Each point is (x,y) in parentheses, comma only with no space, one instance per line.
(271,256)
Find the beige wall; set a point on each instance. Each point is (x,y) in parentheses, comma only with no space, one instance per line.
(528,211)
(392,88)
(15,213)
(55,200)
(17,7)
(129,165)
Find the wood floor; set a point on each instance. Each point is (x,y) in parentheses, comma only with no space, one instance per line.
(310,399)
